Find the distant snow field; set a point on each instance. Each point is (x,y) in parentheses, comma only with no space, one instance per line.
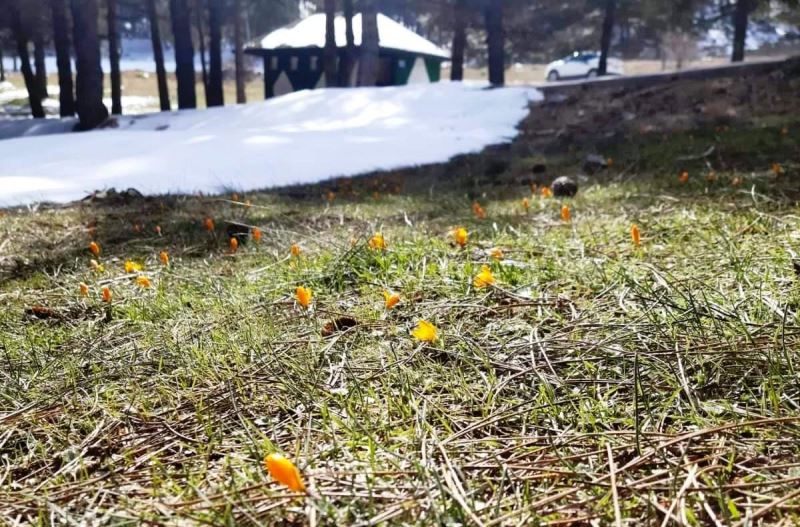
(304,137)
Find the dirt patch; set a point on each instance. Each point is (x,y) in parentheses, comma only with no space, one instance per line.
(590,117)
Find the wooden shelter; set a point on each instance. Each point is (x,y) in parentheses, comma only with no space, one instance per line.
(293,55)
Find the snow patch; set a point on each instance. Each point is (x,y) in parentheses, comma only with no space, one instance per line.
(304,137)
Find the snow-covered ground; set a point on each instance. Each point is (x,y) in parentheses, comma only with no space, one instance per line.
(303,137)
(14,103)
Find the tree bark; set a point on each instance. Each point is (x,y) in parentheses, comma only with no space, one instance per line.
(38,62)
(605,39)
(330,51)
(89,79)
(113,57)
(459,40)
(238,40)
(215,95)
(740,20)
(2,66)
(495,40)
(346,65)
(184,53)
(21,39)
(66,95)
(370,50)
(158,56)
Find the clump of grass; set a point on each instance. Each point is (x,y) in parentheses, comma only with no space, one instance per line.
(596,381)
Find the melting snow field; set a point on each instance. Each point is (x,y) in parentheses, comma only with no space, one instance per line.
(304,137)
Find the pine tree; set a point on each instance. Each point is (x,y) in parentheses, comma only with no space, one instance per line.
(605,39)
(330,51)
(113,57)
(89,79)
(459,40)
(370,47)
(238,14)
(740,21)
(347,64)
(184,53)
(495,40)
(21,38)
(216,95)
(66,95)
(158,56)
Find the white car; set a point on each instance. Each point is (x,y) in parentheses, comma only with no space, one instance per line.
(581,64)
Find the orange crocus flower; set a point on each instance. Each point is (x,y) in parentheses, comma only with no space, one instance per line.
(547,192)
(377,242)
(233,244)
(295,250)
(485,278)
(636,235)
(143,281)
(256,234)
(566,215)
(132,267)
(390,299)
(425,331)
(479,211)
(461,236)
(164,257)
(209,224)
(84,289)
(684,177)
(496,253)
(106,292)
(526,204)
(284,472)
(94,247)
(303,296)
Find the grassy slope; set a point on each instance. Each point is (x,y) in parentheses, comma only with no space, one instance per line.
(677,362)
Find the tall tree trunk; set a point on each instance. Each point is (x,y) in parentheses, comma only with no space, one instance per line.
(201,36)
(347,64)
(38,62)
(495,40)
(2,66)
(370,50)
(66,95)
(238,41)
(459,40)
(740,21)
(330,51)
(113,57)
(21,39)
(89,80)
(158,56)
(184,53)
(605,39)
(215,95)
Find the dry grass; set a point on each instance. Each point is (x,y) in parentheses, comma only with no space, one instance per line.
(596,383)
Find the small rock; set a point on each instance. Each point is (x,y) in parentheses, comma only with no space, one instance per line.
(594,163)
(564,187)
